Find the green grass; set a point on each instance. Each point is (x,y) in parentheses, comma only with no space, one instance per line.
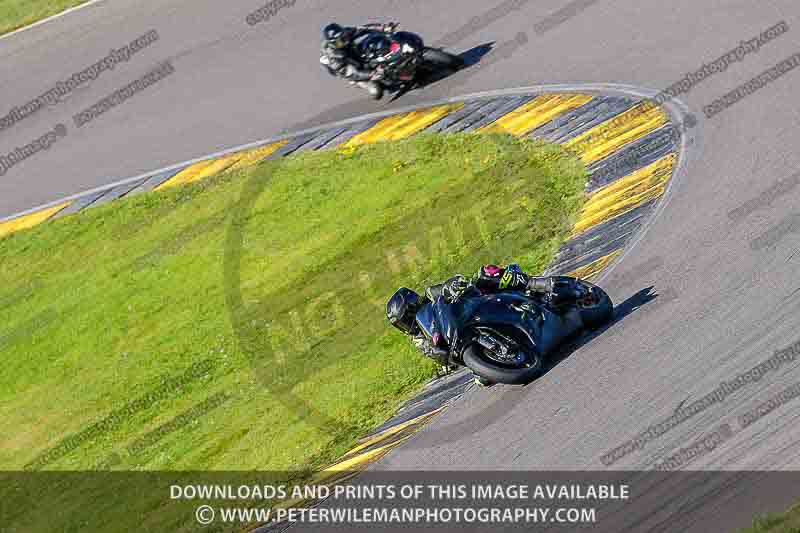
(788,522)
(276,277)
(15,14)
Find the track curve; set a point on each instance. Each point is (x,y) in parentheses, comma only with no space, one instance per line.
(723,255)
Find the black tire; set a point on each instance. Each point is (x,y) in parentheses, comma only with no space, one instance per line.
(439,59)
(496,373)
(600,313)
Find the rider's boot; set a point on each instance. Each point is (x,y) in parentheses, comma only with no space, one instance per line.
(541,285)
(445,370)
(482,382)
(555,290)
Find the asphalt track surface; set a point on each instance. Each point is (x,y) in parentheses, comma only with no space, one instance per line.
(728,289)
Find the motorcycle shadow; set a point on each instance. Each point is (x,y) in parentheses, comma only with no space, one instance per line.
(621,311)
(469,58)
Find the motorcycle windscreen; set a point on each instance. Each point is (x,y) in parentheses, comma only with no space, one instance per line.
(426,320)
(446,322)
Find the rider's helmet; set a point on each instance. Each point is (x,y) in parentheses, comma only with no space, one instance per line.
(375,46)
(401,309)
(335,35)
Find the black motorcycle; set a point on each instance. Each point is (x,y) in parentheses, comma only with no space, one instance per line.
(506,337)
(403,60)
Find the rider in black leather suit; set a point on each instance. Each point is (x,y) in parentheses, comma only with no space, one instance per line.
(340,58)
(401,309)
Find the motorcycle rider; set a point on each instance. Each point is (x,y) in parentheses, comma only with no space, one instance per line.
(402,308)
(341,59)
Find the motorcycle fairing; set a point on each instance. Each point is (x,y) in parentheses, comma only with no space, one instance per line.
(543,328)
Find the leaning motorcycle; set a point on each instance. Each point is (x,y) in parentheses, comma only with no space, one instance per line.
(405,61)
(506,337)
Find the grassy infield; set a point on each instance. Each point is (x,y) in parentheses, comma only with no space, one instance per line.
(788,522)
(98,309)
(15,14)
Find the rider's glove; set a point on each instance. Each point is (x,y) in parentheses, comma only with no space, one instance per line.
(454,288)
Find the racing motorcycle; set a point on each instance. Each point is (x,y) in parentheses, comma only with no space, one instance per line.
(506,337)
(404,61)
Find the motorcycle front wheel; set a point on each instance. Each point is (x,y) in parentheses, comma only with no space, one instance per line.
(483,365)
(600,311)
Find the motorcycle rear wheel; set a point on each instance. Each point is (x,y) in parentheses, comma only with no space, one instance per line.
(480,364)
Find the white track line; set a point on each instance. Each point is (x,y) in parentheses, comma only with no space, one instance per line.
(602,88)
(49,19)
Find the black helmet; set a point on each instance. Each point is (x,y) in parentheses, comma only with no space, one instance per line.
(401,309)
(334,34)
(375,46)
